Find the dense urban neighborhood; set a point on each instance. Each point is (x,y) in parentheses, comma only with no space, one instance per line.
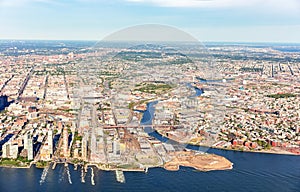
(80,103)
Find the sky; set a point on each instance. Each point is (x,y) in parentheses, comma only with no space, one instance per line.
(206,20)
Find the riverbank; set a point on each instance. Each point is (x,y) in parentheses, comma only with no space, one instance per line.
(16,167)
(272,150)
(276,151)
(15,163)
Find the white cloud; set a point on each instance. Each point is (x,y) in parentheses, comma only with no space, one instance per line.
(267,5)
(293,5)
(18,3)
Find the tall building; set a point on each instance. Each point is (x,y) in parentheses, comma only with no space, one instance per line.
(65,142)
(5,150)
(30,149)
(50,141)
(10,150)
(28,145)
(84,148)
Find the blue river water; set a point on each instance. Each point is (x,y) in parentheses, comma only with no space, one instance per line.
(251,172)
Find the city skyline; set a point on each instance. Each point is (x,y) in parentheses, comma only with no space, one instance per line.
(216,20)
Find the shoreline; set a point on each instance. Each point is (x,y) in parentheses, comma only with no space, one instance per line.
(282,152)
(272,152)
(263,151)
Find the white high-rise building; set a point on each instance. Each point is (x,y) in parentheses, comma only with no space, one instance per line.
(28,145)
(5,150)
(50,141)
(65,146)
(84,148)
(30,149)
(9,150)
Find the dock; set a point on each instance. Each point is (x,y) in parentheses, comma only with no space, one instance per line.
(82,175)
(92,176)
(120,176)
(54,165)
